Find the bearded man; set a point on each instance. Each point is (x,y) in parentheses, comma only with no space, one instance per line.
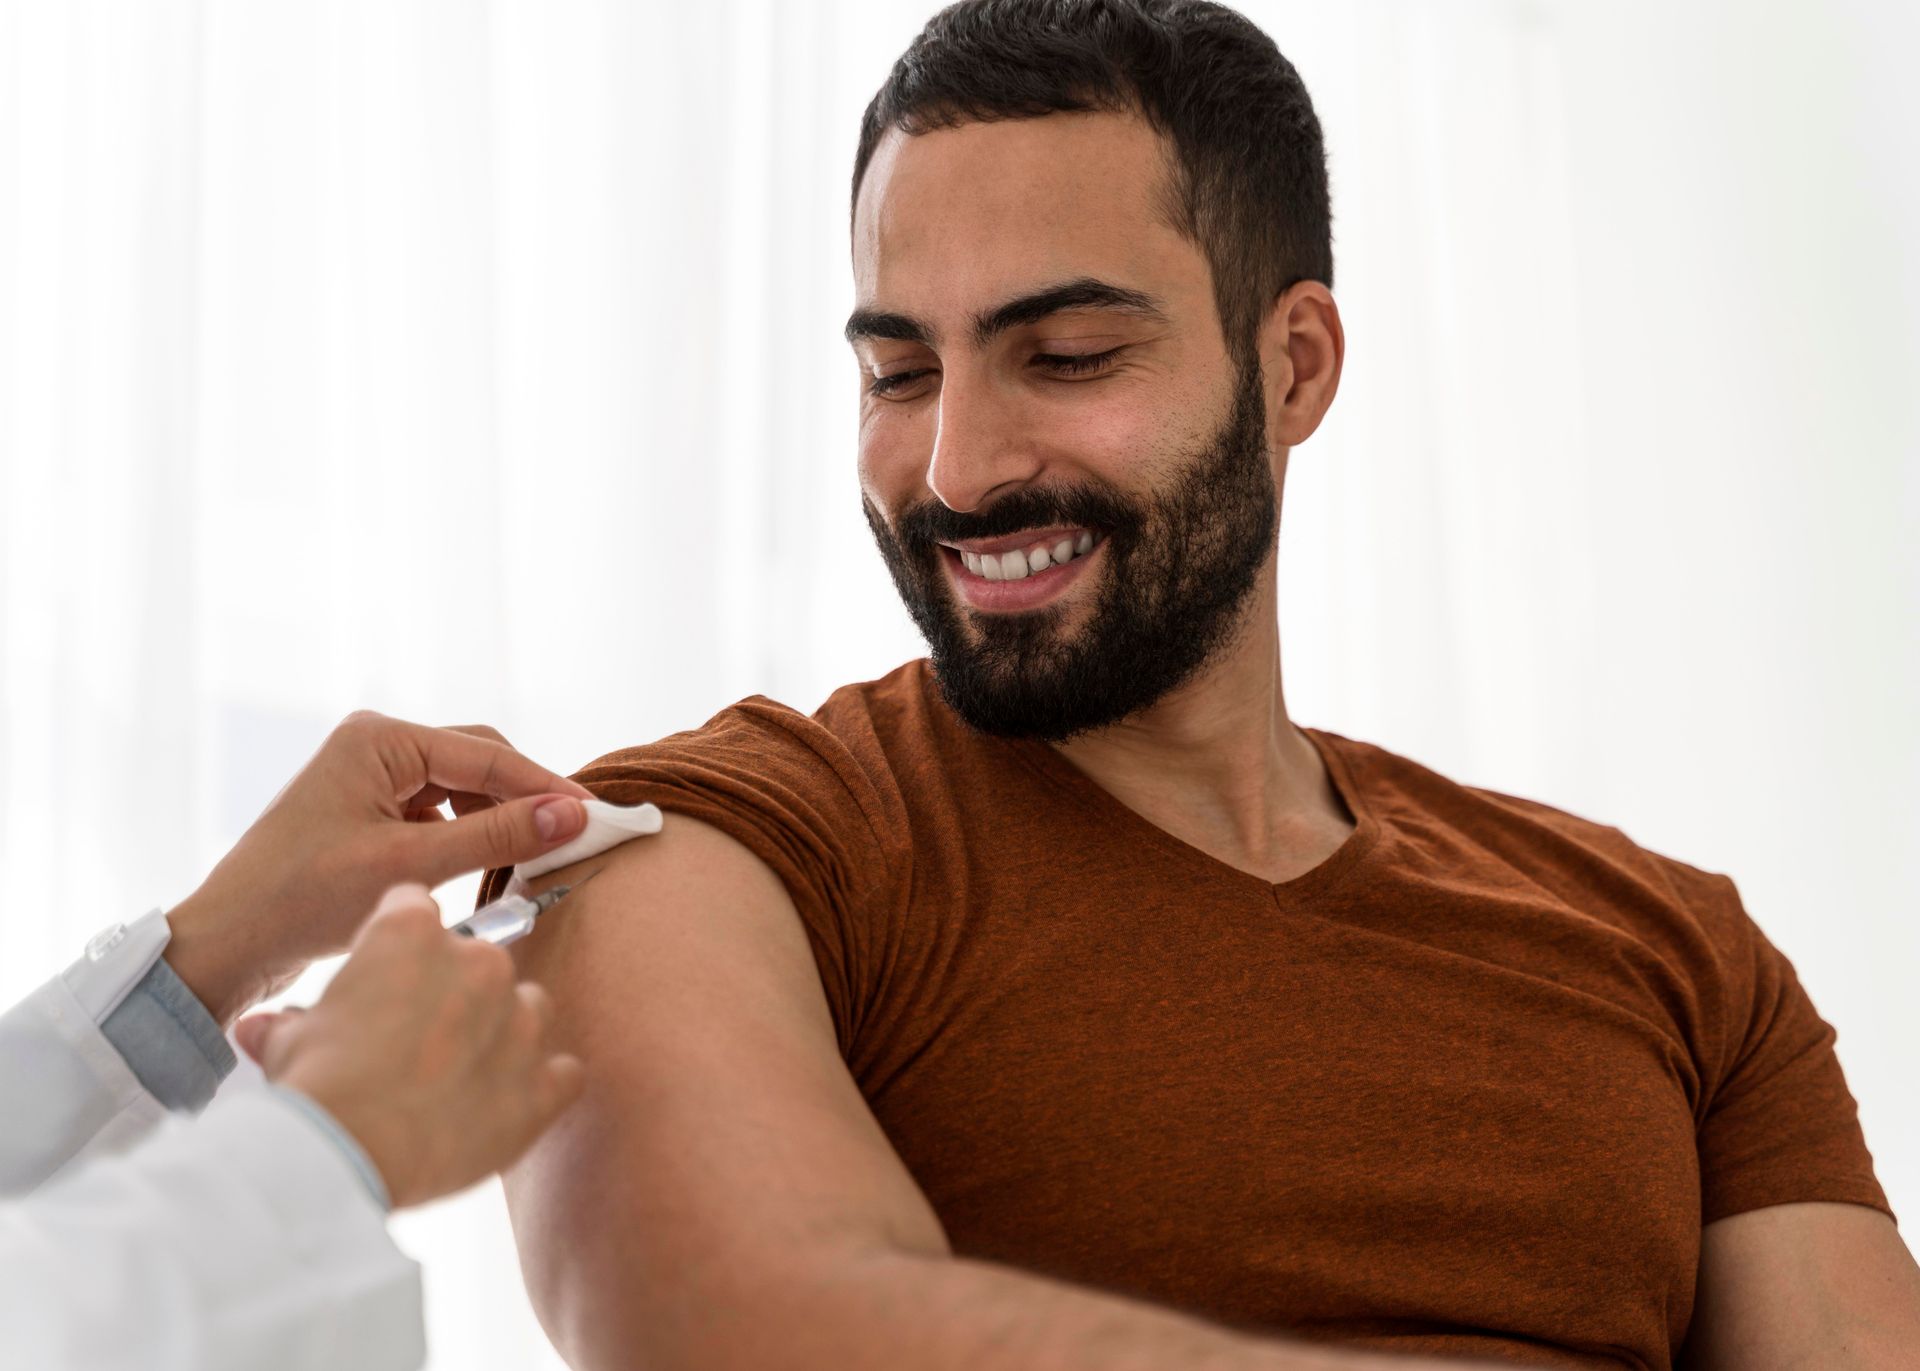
(1056,1001)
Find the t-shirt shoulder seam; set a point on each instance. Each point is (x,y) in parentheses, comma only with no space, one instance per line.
(795,725)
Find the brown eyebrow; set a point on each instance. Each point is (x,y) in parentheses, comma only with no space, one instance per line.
(874,323)
(1082,293)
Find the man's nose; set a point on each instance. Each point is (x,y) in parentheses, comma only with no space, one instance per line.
(979,443)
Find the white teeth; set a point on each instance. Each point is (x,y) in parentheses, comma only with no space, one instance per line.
(1021,563)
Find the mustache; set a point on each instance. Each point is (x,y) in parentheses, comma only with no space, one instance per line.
(928,522)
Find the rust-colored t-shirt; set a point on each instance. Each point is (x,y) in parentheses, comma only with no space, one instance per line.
(1471,1086)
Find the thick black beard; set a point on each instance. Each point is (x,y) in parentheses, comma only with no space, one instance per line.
(1180,568)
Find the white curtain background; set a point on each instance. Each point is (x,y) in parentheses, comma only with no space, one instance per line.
(480,362)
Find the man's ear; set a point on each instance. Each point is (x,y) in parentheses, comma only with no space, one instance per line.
(1302,345)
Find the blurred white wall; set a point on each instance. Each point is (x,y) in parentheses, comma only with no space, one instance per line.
(482,363)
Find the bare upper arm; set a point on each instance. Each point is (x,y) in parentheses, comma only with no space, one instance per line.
(720,1149)
(1804,1286)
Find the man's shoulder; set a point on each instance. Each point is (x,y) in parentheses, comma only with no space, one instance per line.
(894,713)
(831,782)
(1527,832)
(863,721)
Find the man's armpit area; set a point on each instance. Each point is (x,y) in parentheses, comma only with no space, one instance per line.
(720,1152)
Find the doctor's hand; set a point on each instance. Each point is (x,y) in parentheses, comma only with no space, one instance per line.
(361,816)
(426,1050)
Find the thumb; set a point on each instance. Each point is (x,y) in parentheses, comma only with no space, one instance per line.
(253,1031)
(503,834)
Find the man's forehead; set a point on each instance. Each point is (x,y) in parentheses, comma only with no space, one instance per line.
(984,207)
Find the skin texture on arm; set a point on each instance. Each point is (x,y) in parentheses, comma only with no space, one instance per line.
(1800,1287)
(721,1197)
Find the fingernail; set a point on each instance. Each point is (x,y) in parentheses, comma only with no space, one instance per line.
(556,817)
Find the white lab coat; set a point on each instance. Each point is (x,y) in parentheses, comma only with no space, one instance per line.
(242,1240)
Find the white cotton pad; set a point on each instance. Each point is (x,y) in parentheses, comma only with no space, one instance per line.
(607,827)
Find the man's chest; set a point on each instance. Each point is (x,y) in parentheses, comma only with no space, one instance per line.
(1294,1122)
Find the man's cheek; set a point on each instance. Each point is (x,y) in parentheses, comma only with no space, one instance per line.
(895,451)
(1115,440)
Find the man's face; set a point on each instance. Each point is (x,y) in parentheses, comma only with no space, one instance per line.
(1065,472)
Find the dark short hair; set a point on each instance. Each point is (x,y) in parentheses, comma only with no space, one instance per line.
(1249,169)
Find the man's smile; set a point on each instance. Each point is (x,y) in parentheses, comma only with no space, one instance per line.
(1027,572)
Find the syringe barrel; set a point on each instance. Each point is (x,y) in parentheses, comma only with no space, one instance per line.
(506,919)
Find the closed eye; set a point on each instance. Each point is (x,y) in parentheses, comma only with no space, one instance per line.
(1079,364)
(1060,364)
(886,385)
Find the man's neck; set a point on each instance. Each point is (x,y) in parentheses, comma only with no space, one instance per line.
(1219,765)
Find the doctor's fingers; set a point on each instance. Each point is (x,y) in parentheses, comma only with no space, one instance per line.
(405,920)
(430,797)
(496,836)
(545,1085)
(467,802)
(405,967)
(475,760)
(532,1016)
(516,1038)
(560,1080)
(255,1032)
(482,994)
(527,1082)
(487,731)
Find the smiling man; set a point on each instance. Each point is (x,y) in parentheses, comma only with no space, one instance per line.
(1056,1001)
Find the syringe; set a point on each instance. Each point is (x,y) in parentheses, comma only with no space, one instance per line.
(511,917)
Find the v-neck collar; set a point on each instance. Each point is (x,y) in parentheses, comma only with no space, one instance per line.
(1071,780)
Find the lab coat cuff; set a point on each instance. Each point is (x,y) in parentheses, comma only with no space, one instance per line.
(349,1146)
(268,1138)
(173,1046)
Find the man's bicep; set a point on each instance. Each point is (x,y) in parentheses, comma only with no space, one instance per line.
(721,1151)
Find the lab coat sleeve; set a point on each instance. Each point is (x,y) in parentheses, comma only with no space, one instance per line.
(65,1090)
(239,1240)
(76,1085)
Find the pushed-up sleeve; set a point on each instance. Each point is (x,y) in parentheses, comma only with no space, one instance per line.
(796,795)
(1779,1125)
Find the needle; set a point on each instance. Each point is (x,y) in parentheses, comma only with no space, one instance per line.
(548,899)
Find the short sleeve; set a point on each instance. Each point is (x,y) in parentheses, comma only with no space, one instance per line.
(1779,1124)
(790,791)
